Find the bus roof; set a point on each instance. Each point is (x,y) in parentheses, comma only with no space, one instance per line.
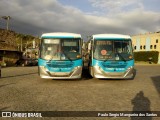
(110,36)
(60,35)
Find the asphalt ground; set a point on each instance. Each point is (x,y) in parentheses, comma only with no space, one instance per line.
(23,90)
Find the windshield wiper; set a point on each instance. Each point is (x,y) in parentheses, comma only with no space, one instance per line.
(121,57)
(108,58)
(67,56)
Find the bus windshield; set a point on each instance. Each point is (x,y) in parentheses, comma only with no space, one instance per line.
(60,49)
(120,50)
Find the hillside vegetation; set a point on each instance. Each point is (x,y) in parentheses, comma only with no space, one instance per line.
(10,40)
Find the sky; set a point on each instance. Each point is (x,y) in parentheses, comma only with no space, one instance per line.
(85,17)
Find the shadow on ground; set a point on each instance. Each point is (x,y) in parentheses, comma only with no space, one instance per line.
(141,104)
(156,82)
(4,108)
(19,75)
(6,85)
(86,75)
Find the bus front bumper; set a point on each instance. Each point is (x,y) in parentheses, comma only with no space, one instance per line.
(74,74)
(97,72)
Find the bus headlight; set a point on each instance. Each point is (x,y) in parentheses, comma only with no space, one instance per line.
(78,56)
(130,57)
(129,69)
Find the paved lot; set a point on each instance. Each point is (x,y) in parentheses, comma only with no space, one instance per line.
(23,90)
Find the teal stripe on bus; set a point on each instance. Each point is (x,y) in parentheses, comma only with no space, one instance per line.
(50,37)
(112,38)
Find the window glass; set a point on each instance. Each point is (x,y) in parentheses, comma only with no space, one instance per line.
(110,49)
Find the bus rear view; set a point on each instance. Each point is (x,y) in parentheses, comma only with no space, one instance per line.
(60,56)
(111,56)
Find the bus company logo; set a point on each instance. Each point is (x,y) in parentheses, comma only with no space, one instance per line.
(6,114)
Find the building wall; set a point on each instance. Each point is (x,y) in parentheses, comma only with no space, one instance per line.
(147,42)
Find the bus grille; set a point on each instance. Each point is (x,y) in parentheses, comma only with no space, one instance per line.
(60,65)
(114,65)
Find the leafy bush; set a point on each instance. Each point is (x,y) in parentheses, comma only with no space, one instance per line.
(145,55)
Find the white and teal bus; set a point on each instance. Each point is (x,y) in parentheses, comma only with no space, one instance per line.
(111,56)
(60,56)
